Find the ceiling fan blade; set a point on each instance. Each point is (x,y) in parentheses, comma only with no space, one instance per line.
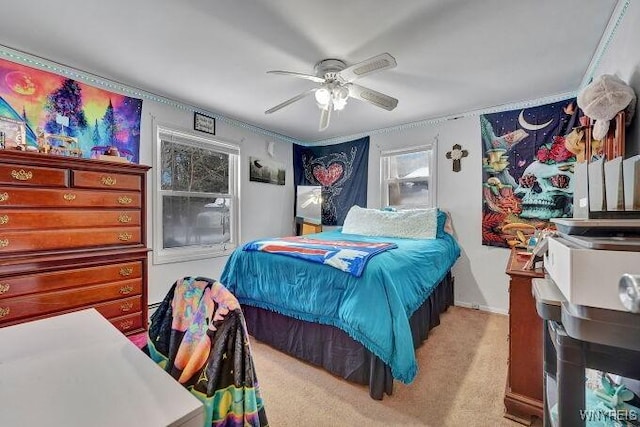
(298,75)
(290,101)
(380,62)
(373,97)
(325,115)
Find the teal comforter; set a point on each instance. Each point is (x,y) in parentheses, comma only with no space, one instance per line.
(373,309)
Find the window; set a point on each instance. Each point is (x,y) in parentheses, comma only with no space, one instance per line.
(408,177)
(196,189)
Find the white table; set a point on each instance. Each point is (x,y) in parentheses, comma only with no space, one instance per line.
(78,370)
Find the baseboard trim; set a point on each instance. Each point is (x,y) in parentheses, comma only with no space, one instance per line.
(482,308)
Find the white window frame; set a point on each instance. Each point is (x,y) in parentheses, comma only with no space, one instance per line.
(163,255)
(433,171)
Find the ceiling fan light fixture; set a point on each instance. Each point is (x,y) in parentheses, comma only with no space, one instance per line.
(336,86)
(339,96)
(339,105)
(332,96)
(340,92)
(323,96)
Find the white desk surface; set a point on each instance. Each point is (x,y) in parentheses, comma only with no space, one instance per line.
(78,370)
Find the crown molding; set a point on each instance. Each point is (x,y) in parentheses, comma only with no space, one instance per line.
(436,121)
(33,61)
(609,33)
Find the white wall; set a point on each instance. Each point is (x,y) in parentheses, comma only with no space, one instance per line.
(266,209)
(479,272)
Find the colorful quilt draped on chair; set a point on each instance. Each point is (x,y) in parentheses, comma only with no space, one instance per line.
(198,335)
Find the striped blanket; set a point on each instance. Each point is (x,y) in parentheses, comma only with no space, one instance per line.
(348,256)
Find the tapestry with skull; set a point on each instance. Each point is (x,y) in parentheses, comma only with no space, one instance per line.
(341,170)
(527,167)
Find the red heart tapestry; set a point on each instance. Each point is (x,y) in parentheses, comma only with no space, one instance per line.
(341,170)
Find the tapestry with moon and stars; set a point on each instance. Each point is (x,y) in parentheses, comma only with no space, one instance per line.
(527,170)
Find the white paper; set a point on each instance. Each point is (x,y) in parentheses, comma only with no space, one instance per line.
(597,195)
(580,198)
(631,175)
(613,184)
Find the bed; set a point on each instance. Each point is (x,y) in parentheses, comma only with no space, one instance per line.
(364,329)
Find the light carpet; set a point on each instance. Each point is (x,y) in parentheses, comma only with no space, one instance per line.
(461,381)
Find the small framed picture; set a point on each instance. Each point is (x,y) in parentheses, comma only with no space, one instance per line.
(204,123)
(12,134)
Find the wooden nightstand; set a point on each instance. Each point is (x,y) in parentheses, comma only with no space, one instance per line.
(523,395)
(307,226)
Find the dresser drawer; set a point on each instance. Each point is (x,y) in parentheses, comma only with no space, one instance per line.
(44,240)
(58,280)
(52,302)
(86,179)
(33,175)
(129,324)
(22,219)
(120,307)
(69,198)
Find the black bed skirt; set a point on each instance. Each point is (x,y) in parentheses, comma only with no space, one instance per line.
(334,350)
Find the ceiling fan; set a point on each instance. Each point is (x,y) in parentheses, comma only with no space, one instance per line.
(336,85)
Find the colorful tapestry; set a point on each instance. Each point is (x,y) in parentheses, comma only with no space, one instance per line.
(341,170)
(198,335)
(527,163)
(348,256)
(67,117)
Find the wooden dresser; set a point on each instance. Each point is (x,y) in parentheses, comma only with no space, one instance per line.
(523,395)
(72,236)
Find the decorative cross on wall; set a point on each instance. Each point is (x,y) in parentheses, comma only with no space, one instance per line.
(456,154)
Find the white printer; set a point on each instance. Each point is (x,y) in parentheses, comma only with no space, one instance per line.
(587,259)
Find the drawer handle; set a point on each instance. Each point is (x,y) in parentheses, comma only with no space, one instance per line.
(126,271)
(125,237)
(4,197)
(4,243)
(22,175)
(126,306)
(4,288)
(4,219)
(69,197)
(126,324)
(126,290)
(4,312)
(124,200)
(124,219)
(107,180)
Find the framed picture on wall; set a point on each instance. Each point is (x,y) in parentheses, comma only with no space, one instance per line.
(204,123)
(267,171)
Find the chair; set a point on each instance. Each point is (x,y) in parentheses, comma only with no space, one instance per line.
(198,335)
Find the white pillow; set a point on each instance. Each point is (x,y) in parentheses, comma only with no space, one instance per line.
(409,224)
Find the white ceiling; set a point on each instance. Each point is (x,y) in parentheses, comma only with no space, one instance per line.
(453,56)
